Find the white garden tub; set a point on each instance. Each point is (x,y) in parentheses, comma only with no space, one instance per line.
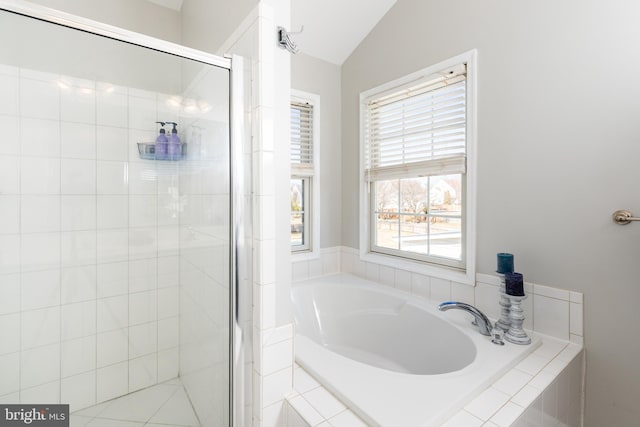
(393,357)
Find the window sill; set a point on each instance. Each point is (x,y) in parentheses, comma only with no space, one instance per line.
(428,269)
(304,256)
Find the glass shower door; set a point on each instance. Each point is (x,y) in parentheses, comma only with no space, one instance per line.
(114,250)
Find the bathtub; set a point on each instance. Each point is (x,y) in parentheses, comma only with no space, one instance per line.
(392,357)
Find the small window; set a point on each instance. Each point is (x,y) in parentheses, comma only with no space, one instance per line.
(304,174)
(417,137)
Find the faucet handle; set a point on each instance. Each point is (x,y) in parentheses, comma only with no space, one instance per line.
(496,336)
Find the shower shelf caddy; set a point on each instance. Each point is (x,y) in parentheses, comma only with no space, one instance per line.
(147,151)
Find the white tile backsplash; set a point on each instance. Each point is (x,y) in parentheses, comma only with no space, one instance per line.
(40,289)
(112,381)
(10,327)
(143,340)
(112,143)
(9,175)
(39,365)
(78,356)
(10,373)
(386,275)
(576,319)
(440,289)
(143,307)
(168,333)
(112,279)
(112,347)
(39,138)
(40,214)
(112,108)
(143,372)
(78,104)
(8,95)
(78,213)
(112,177)
(78,248)
(10,301)
(168,364)
(39,175)
(78,141)
(112,245)
(9,214)
(78,320)
(10,254)
(40,327)
(10,126)
(421,285)
(78,176)
(79,391)
(40,99)
(143,178)
(551,316)
(112,313)
(48,392)
(403,280)
(168,302)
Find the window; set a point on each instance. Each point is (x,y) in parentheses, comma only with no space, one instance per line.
(304,174)
(418,186)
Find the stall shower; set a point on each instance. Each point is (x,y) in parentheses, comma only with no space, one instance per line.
(115,261)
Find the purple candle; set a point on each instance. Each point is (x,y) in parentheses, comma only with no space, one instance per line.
(514,284)
(505,263)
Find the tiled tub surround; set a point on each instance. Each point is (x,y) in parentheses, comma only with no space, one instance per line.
(348,328)
(554,392)
(550,311)
(89,241)
(544,390)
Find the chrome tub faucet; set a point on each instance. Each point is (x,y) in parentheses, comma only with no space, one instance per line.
(480,319)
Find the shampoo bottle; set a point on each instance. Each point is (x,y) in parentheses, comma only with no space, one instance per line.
(162,143)
(174,151)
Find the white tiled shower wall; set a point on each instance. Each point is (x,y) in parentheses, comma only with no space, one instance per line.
(270,366)
(89,241)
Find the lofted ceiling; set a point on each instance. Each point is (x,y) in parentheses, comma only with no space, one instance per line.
(332,28)
(171,4)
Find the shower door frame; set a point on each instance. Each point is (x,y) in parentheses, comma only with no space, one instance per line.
(100,29)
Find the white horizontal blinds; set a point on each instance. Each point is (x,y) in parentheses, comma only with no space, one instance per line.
(418,130)
(301,139)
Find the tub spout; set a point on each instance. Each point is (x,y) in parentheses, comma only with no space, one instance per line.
(481,320)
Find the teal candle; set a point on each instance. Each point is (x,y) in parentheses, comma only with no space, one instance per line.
(505,263)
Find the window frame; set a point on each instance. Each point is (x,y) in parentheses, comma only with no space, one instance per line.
(311,187)
(404,259)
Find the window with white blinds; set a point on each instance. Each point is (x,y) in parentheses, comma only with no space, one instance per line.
(418,171)
(418,130)
(301,139)
(304,182)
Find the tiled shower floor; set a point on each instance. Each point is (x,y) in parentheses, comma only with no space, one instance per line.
(162,405)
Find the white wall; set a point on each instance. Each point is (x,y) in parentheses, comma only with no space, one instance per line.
(135,15)
(207,24)
(323,78)
(557,151)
